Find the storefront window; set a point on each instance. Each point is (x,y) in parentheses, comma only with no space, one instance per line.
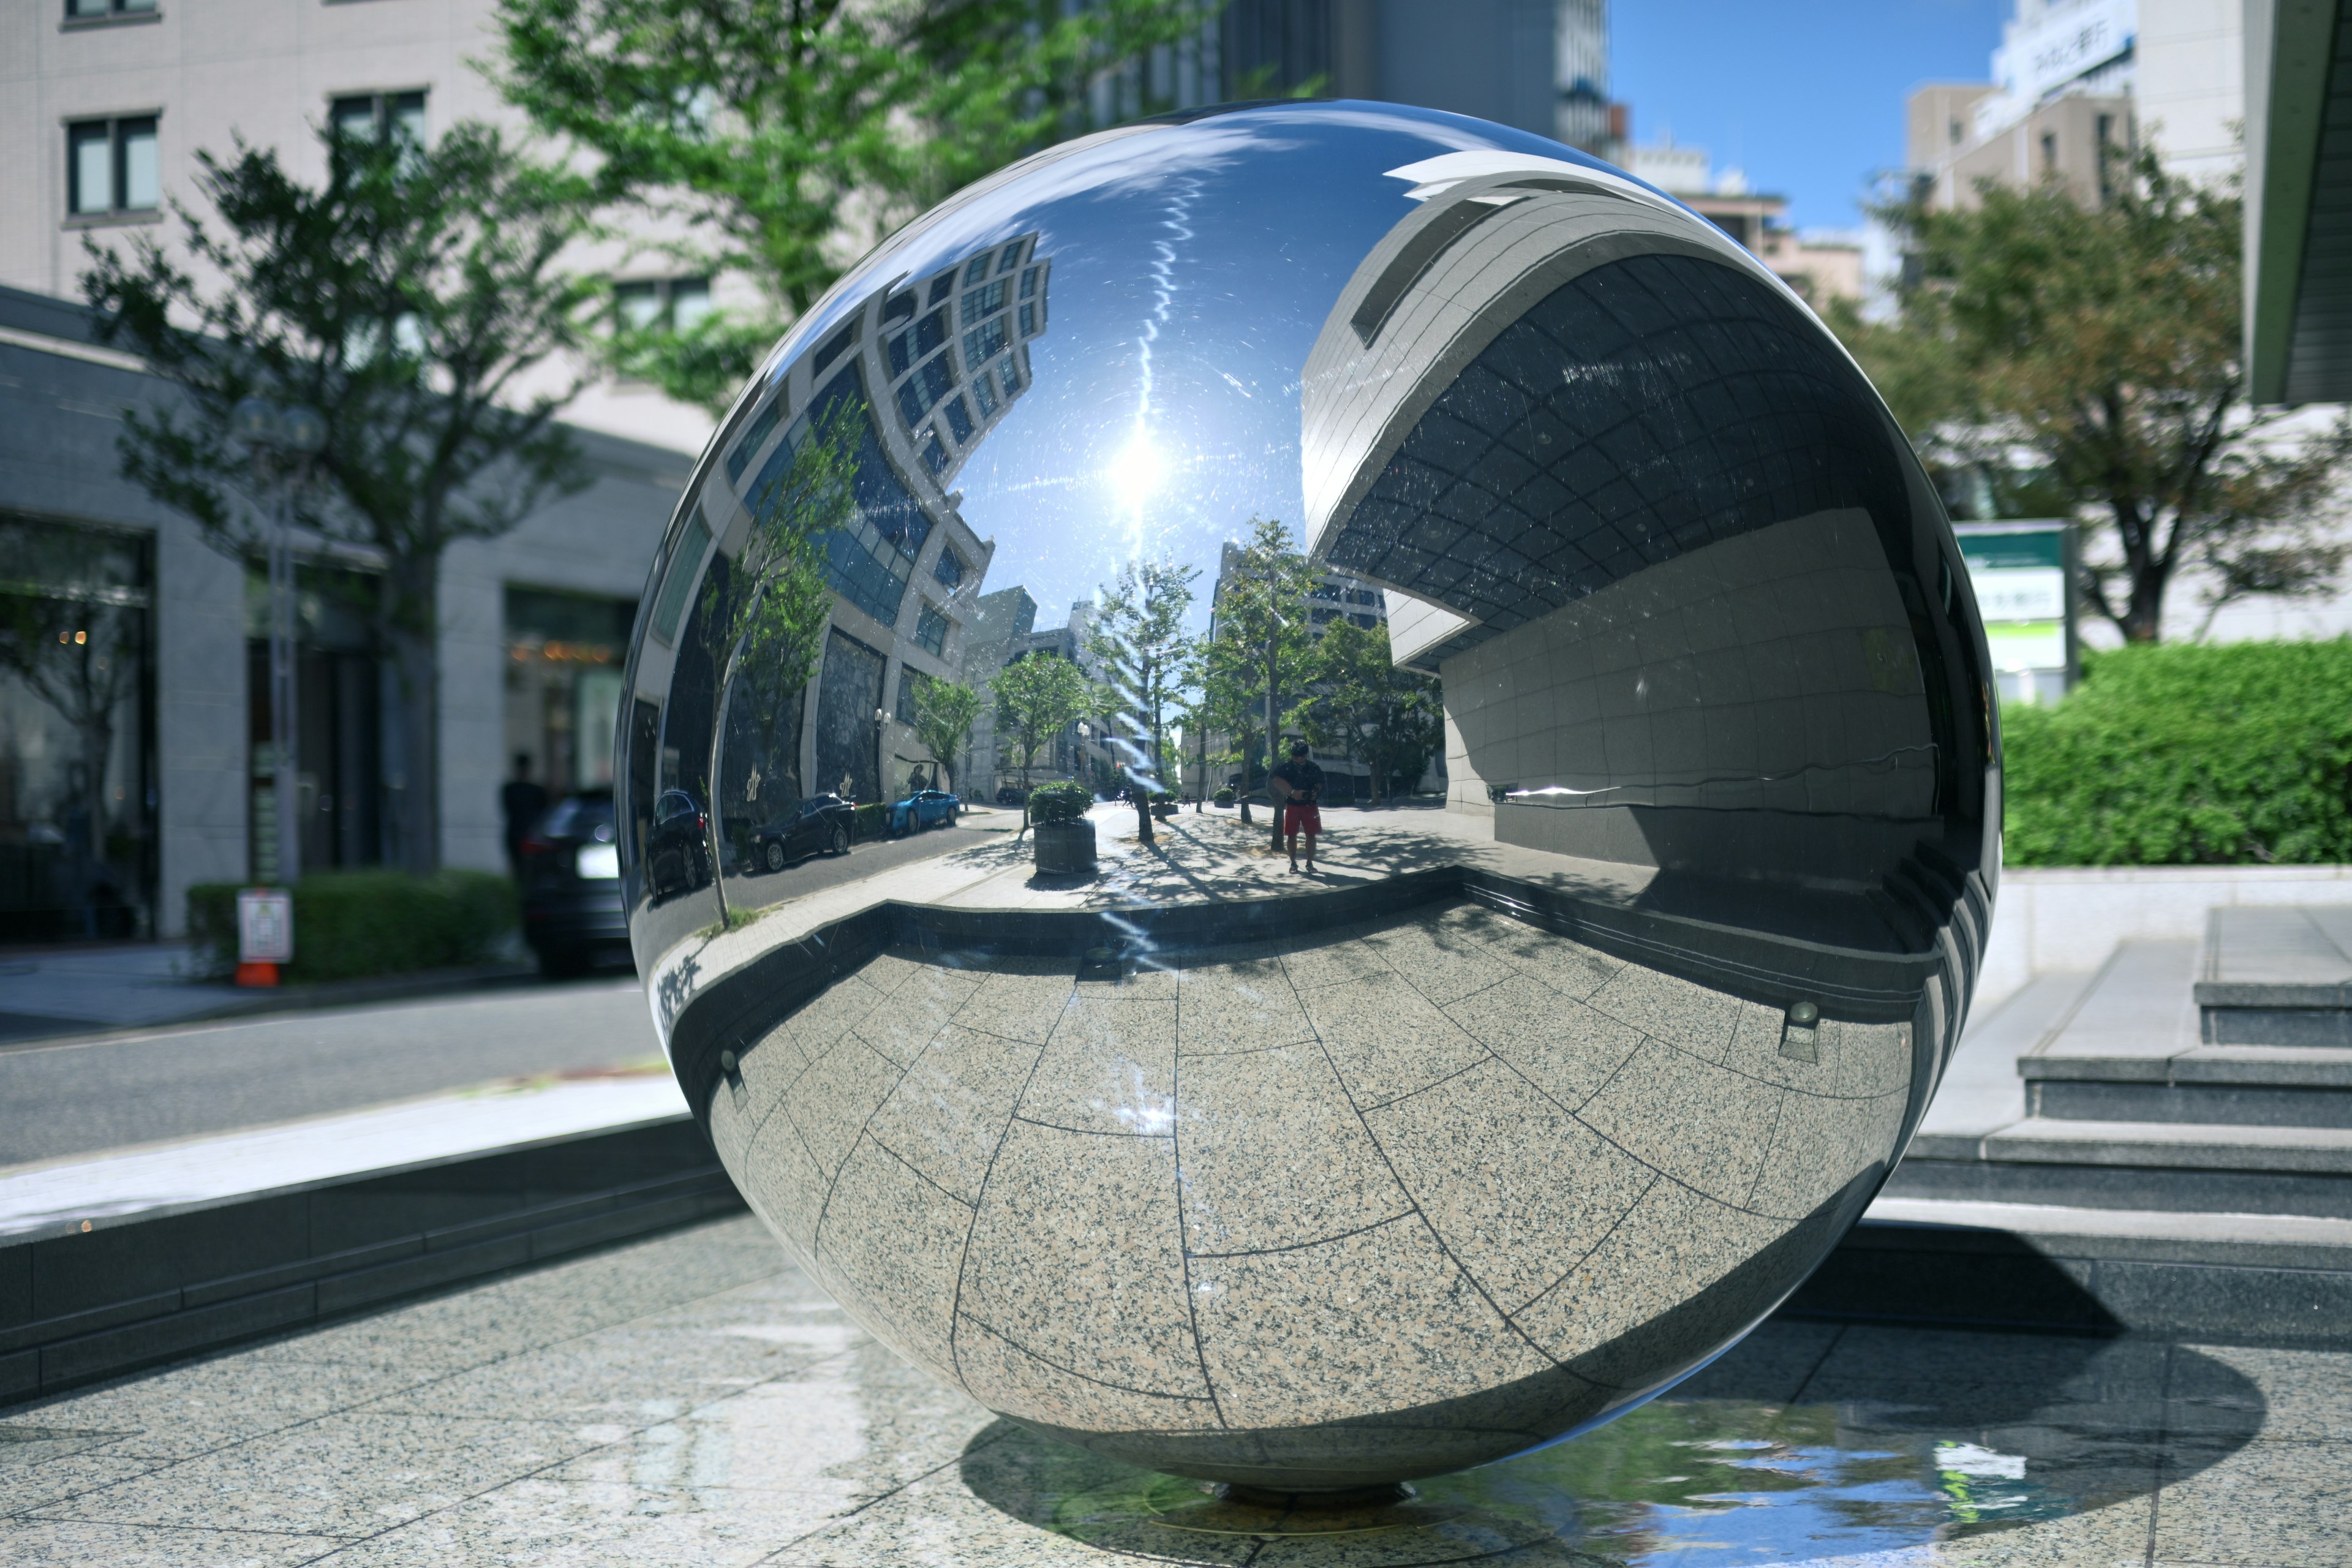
(564,684)
(340,709)
(76,734)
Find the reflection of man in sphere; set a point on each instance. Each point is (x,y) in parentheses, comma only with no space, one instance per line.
(1299,784)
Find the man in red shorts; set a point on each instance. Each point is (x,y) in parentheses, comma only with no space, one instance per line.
(1300,784)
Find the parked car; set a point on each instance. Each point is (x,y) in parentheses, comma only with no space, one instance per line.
(1011,795)
(677,848)
(571,909)
(819,825)
(924,808)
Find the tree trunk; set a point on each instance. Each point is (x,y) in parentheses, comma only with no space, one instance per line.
(415,596)
(1273,744)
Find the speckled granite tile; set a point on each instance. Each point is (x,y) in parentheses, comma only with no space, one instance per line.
(840,1009)
(1755,1050)
(782,1182)
(190,1410)
(1274,1156)
(1872,1058)
(893,1244)
(1705,1125)
(1110,1068)
(2115,1536)
(1675,1243)
(952,1110)
(76,1543)
(1517,1189)
(1818,1146)
(346,1475)
(832,1099)
(1241,1006)
(1442,965)
(1332,958)
(1564,1047)
(1387,1039)
(1145,979)
(2291,1395)
(621,1373)
(2265,1502)
(1377,1321)
(24,1485)
(1021,999)
(1011,1380)
(915,1013)
(593,1524)
(940,1522)
(1700,1020)
(1568,967)
(1075,1257)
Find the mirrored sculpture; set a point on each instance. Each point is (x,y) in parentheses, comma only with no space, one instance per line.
(1660,794)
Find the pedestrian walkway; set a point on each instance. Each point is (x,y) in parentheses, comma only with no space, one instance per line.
(694,1400)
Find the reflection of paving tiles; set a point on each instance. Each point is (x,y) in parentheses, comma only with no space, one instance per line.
(1818,1146)
(1020,999)
(892,1243)
(1110,1068)
(1564,1047)
(73,1544)
(950,1110)
(1242,1006)
(1274,1153)
(1387,1038)
(1442,965)
(831,1102)
(1006,1377)
(1377,1321)
(1075,1257)
(1700,1020)
(1517,1188)
(1704,1125)
(2266,1502)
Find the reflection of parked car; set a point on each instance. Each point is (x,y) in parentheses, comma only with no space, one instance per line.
(819,825)
(571,910)
(924,808)
(1011,795)
(678,850)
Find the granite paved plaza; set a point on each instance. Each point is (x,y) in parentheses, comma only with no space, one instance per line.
(695,1401)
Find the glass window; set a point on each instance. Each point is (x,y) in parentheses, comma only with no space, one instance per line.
(380,116)
(754,434)
(563,686)
(935,456)
(959,420)
(1028,320)
(1029,284)
(135,140)
(90,168)
(661,304)
(911,402)
(941,287)
(912,682)
(984,301)
(985,342)
(930,333)
(984,391)
(403,117)
(974,271)
(899,346)
(111,167)
(937,380)
(949,569)
(931,630)
(1012,257)
(637,305)
(86,10)
(1009,372)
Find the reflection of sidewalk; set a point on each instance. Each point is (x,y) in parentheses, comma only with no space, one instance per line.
(50,992)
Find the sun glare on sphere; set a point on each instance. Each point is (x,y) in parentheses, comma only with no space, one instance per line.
(1135,473)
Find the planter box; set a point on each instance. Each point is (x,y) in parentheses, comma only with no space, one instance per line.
(1063,848)
(1164,810)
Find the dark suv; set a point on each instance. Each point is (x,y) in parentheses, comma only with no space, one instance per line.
(819,825)
(571,912)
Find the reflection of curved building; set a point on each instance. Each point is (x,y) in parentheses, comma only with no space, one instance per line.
(1656,535)
(935,363)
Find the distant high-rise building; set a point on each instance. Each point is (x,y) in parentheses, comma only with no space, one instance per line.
(991,305)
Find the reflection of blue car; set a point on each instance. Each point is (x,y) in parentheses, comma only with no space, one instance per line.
(924,808)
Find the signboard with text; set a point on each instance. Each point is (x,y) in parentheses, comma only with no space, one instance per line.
(2020,572)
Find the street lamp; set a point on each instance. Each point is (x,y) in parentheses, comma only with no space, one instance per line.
(281,441)
(881,784)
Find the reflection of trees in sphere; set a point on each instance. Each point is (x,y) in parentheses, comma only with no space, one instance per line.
(1573,1056)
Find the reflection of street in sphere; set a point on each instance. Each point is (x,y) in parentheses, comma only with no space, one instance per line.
(1548,1083)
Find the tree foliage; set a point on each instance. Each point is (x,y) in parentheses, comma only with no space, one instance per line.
(779,138)
(1258,636)
(407,300)
(2100,347)
(1036,698)
(2187,755)
(1146,660)
(945,711)
(1360,705)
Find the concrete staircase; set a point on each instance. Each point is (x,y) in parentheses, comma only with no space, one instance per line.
(2180,1156)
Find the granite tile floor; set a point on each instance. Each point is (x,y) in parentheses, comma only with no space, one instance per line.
(696,1400)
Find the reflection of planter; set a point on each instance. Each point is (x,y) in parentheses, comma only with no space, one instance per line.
(1164,809)
(1065,846)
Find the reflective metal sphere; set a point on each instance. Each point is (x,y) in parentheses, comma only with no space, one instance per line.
(1548,1080)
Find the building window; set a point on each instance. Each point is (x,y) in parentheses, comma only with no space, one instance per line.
(102,10)
(2049,153)
(380,116)
(931,631)
(661,304)
(111,167)
(912,682)
(949,569)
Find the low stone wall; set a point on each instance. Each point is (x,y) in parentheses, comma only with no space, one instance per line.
(2071,917)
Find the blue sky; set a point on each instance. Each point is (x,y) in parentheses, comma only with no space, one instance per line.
(1806,95)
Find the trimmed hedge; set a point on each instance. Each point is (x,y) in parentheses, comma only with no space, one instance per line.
(351,924)
(2186,754)
(865,821)
(1066,800)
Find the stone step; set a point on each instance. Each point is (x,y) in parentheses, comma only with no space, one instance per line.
(2268,1278)
(2192,1166)
(2277,978)
(2259,1086)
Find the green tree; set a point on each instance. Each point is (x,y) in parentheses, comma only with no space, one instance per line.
(945,711)
(407,300)
(1259,634)
(1036,698)
(782,138)
(1146,659)
(1360,704)
(766,615)
(2104,343)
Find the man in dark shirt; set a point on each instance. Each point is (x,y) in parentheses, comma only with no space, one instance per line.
(1299,784)
(524,804)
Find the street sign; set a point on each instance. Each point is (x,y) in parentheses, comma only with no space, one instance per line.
(265,926)
(2019,571)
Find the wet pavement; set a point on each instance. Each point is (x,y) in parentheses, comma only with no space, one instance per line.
(696,1400)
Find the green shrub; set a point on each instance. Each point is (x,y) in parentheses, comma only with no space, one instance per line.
(1066,800)
(351,924)
(1224,795)
(2187,755)
(867,820)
